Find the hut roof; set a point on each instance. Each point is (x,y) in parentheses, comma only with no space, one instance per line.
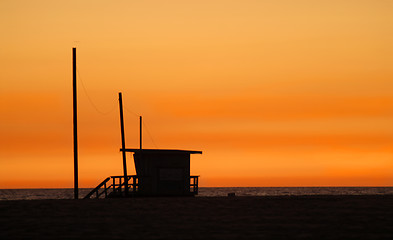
(161,151)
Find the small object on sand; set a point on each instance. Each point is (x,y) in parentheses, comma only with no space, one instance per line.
(232,194)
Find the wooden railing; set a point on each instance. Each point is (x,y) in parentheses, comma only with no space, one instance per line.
(117,188)
(194,184)
(119,185)
(97,189)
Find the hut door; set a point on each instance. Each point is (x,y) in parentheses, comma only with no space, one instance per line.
(171,181)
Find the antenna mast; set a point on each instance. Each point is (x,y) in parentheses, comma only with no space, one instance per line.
(140,132)
(123,144)
(75,113)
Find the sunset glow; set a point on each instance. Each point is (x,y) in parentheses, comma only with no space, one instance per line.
(275,93)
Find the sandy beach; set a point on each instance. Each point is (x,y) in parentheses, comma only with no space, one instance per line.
(295,217)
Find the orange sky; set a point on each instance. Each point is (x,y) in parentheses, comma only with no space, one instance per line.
(275,93)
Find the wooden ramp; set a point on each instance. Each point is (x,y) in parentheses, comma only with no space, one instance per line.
(115,187)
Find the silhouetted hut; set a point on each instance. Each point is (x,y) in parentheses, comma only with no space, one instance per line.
(164,172)
(159,172)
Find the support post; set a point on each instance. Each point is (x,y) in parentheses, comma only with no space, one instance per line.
(75,113)
(123,145)
(140,132)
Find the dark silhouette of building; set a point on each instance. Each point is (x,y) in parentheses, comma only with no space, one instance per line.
(164,172)
(159,172)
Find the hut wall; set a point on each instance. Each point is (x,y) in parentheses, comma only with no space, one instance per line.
(163,173)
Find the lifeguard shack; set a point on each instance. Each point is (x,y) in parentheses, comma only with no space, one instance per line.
(164,172)
(159,172)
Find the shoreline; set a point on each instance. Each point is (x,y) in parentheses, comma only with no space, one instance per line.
(289,196)
(19,194)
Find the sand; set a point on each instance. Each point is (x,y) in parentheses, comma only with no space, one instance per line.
(296,217)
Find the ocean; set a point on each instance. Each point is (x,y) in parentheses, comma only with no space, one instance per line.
(68,193)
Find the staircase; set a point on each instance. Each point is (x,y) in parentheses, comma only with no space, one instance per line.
(115,188)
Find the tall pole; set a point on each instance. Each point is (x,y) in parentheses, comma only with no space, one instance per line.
(75,113)
(140,132)
(123,143)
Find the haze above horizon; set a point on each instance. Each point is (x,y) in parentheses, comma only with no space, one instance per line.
(275,93)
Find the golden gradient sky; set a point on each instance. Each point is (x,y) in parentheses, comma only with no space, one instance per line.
(275,93)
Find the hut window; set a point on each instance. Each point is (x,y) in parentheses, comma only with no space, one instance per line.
(171,174)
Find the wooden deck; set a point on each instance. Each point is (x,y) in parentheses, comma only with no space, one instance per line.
(115,186)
